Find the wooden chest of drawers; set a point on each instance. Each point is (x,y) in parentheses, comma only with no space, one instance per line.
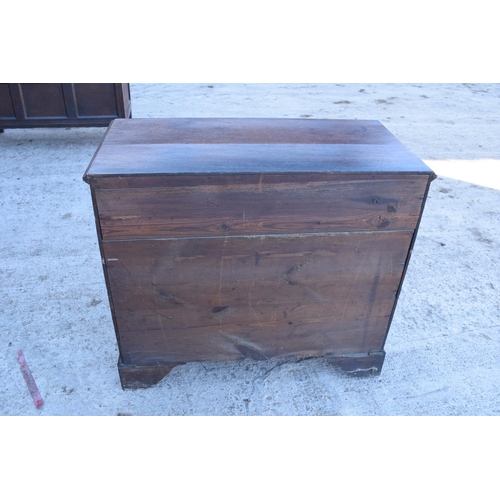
(265,238)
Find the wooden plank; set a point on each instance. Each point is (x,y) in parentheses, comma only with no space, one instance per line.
(183,180)
(138,305)
(215,145)
(147,159)
(262,207)
(215,344)
(226,298)
(198,260)
(285,314)
(248,131)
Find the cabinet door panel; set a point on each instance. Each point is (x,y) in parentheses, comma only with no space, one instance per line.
(95,99)
(43,100)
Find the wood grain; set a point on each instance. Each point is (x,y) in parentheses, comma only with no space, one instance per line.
(225,298)
(262,207)
(248,131)
(147,159)
(203,146)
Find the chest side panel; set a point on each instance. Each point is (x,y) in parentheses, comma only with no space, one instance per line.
(188,299)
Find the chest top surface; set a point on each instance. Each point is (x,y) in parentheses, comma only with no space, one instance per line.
(156,146)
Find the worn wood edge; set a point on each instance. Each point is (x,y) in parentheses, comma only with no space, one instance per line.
(258,235)
(104,269)
(89,122)
(432,177)
(257,119)
(202,123)
(86,177)
(142,377)
(234,158)
(326,212)
(133,377)
(181,180)
(359,365)
(373,173)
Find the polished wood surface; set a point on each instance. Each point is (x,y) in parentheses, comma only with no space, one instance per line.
(251,145)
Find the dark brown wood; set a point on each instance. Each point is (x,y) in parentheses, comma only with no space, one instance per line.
(250,131)
(134,377)
(217,146)
(262,250)
(224,298)
(7,110)
(355,365)
(96,99)
(147,159)
(264,204)
(43,100)
(25,105)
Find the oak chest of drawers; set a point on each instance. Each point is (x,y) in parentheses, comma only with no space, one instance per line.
(265,238)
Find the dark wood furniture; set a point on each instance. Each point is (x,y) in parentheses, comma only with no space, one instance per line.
(26,105)
(264,238)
